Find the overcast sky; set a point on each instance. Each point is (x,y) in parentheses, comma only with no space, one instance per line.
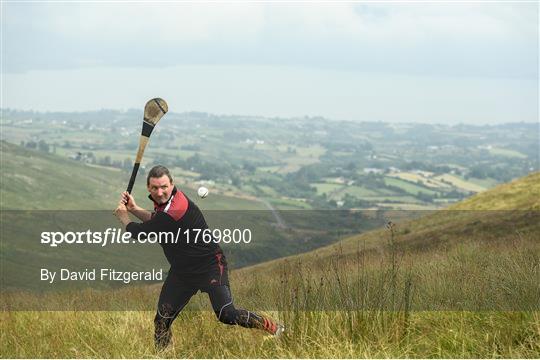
(400,61)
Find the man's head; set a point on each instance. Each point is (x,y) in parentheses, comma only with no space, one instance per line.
(159,183)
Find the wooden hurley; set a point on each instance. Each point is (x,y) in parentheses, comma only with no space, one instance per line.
(153,112)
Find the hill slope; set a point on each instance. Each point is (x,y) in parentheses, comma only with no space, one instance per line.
(34,180)
(496,213)
(66,194)
(520,194)
(335,301)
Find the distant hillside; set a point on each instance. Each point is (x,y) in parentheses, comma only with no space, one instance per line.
(496,215)
(458,284)
(33,180)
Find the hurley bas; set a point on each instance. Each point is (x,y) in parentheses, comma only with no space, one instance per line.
(102,275)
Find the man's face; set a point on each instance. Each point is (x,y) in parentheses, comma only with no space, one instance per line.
(160,189)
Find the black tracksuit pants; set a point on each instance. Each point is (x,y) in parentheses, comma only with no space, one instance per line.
(178,290)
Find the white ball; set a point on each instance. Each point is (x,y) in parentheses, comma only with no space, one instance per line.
(202,192)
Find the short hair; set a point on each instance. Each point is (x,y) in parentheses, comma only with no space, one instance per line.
(157,172)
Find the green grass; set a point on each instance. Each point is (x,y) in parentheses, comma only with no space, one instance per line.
(520,194)
(310,151)
(392,302)
(268,168)
(507,153)
(451,284)
(289,204)
(319,335)
(412,207)
(292,161)
(326,188)
(358,192)
(268,191)
(486,183)
(34,180)
(409,187)
(460,183)
(399,199)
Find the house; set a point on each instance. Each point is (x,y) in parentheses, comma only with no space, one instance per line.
(373,171)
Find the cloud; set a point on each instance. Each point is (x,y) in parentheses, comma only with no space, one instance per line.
(458,39)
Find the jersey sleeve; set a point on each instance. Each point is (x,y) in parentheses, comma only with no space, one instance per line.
(158,223)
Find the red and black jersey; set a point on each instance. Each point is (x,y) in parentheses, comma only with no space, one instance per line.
(178,215)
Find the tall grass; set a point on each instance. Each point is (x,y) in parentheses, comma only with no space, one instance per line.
(475,299)
(323,334)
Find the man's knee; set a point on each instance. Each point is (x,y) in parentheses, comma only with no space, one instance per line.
(160,321)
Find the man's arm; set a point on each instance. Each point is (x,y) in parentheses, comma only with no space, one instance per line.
(142,214)
(160,222)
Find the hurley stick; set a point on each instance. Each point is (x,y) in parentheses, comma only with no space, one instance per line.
(153,112)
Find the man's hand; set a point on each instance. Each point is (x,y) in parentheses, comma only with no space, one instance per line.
(129,204)
(128,200)
(121,213)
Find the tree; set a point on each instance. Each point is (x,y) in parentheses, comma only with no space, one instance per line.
(127,164)
(479,172)
(235,181)
(249,167)
(106,161)
(425,197)
(43,146)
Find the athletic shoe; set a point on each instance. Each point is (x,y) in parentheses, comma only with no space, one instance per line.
(273,327)
(280,330)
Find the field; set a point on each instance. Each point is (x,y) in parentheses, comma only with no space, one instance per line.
(408,186)
(376,163)
(454,274)
(451,284)
(326,188)
(425,179)
(50,182)
(460,183)
(507,153)
(324,335)
(49,192)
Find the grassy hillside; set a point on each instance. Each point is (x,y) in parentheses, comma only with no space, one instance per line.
(64,195)
(33,180)
(69,195)
(521,194)
(494,215)
(458,283)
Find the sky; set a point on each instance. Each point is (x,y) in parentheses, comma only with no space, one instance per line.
(434,62)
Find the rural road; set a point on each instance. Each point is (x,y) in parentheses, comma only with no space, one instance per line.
(279,220)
